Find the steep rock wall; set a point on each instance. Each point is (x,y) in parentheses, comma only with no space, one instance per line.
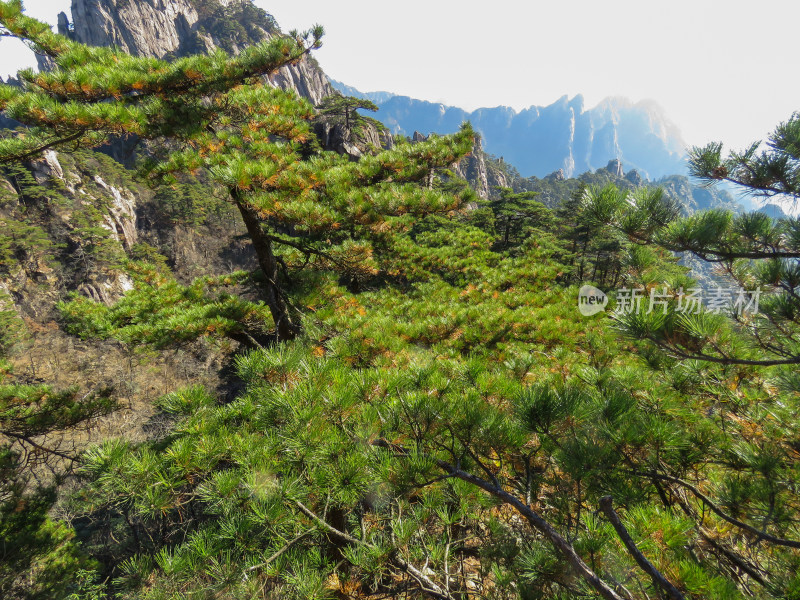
(163,28)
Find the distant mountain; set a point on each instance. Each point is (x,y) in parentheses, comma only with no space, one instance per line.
(773,210)
(556,188)
(540,140)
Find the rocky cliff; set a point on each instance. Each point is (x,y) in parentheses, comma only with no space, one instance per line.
(541,139)
(477,169)
(71,218)
(164,28)
(471,168)
(336,136)
(67,223)
(483,175)
(556,188)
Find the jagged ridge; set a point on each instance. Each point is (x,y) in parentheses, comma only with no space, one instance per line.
(540,140)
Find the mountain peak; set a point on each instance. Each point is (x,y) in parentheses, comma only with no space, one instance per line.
(167,28)
(542,139)
(577,103)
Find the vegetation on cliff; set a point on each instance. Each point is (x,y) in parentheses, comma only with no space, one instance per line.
(413,404)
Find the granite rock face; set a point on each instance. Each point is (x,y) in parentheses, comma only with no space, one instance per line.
(143,27)
(164,28)
(473,169)
(335,136)
(306,79)
(635,178)
(615,168)
(496,178)
(83,193)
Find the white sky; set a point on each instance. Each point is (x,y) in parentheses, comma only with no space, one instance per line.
(723,71)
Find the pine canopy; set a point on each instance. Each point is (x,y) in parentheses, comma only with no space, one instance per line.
(215,112)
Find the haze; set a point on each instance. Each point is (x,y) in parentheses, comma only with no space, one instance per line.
(722,71)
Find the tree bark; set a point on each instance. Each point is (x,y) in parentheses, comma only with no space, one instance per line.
(284,327)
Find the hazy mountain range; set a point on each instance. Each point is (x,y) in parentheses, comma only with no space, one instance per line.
(542,139)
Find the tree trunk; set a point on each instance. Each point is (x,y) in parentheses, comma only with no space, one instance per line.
(285,329)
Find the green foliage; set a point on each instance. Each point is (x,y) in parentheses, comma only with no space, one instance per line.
(20,243)
(305,432)
(599,253)
(758,254)
(446,422)
(95,248)
(39,555)
(23,240)
(343,111)
(555,189)
(27,412)
(191,204)
(768,172)
(82,100)
(253,140)
(517,215)
(25,184)
(12,328)
(236,25)
(48,228)
(160,312)
(345,427)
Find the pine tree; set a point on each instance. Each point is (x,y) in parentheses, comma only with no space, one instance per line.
(516,213)
(161,313)
(346,108)
(757,252)
(461,432)
(215,113)
(38,425)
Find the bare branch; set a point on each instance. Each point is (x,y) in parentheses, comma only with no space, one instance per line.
(277,554)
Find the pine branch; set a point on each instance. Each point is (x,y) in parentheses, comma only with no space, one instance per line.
(535,520)
(761,535)
(28,154)
(426,584)
(734,558)
(23,439)
(279,553)
(723,360)
(717,546)
(659,580)
(307,250)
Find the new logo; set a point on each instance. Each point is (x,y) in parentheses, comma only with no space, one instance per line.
(591,300)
